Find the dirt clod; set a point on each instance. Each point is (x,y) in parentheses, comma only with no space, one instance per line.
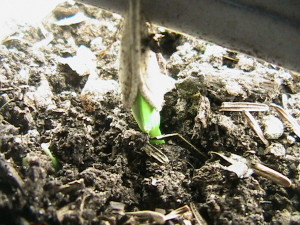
(100,148)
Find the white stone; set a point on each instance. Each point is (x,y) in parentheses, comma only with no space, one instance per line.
(290,139)
(40,96)
(246,63)
(99,87)
(214,55)
(84,62)
(276,149)
(273,127)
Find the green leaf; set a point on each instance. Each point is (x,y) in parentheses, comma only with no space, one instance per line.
(147,117)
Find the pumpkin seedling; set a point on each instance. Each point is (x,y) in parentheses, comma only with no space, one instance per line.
(142,84)
(55,163)
(147,117)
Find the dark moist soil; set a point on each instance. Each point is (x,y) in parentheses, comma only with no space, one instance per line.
(99,146)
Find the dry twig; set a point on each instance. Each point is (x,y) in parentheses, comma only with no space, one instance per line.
(291,121)
(257,168)
(197,215)
(182,138)
(255,126)
(271,174)
(243,106)
(159,217)
(155,153)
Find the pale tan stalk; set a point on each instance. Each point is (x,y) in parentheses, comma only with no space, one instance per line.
(243,106)
(255,126)
(286,117)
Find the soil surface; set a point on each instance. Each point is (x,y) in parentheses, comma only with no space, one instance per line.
(60,98)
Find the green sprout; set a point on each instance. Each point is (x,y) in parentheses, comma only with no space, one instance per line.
(147,117)
(55,163)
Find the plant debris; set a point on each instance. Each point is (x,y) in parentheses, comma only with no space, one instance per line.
(243,106)
(244,168)
(254,124)
(159,217)
(288,119)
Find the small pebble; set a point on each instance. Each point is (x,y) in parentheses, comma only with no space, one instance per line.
(97,44)
(4,98)
(17,140)
(276,149)
(246,63)
(214,55)
(273,127)
(64,11)
(290,139)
